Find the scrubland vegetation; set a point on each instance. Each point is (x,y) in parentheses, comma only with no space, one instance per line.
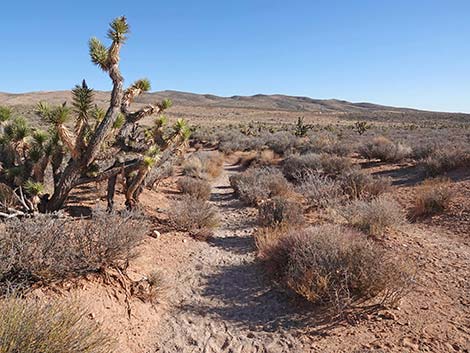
(325,201)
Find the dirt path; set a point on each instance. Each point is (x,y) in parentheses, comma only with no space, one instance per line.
(221,303)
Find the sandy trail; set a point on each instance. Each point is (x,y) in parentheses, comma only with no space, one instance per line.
(222,303)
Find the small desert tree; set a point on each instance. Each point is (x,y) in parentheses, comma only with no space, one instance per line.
(103,143)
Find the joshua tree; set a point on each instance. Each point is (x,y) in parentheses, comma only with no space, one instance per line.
(103,145)
(301,129)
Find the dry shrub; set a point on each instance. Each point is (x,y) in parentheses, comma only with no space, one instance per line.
(204,165)
(193,167)
(385,150)
(333,266)
(7,197)
(280,211)
(320,191)
(446,160)
(190,214)
(47,249)
(263,158)
(282,142)
(297,166)
(28,326)
(200,189)
(374,216)
(327,143)
(259,184)
(153,288)
(357,184)
(432,197)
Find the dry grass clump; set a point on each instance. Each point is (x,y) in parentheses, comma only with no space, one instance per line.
(190,214)
(432,197)
(357,184)
(326,143)
(374,216)
(204,165)
(320,191)
(259,184)
(152,288)
(446,160)
(264,158)
(333,266)
(297,166)
(48,249)
(28,326)
(198,188)
(280,211)
(385,150)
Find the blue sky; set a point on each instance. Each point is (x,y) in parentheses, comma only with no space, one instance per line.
(413,53)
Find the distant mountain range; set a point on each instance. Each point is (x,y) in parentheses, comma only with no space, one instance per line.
(260,106)
(259,101)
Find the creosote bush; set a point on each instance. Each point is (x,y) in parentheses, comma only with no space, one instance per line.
(28,326)
(385,150)
(48,249)
(432,197)
(259,184)
(192,214)
(333,266)
(200,189)
(280,211)
(374,216)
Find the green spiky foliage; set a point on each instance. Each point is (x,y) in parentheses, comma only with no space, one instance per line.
(118,29)
(104,143)
(5,114)
(82,102)
(98,53)
(17,130)
(119,122)
(33,188)
(142,84)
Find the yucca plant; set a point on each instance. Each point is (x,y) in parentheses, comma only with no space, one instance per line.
(99,136)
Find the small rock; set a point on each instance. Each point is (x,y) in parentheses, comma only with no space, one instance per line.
(156,234)
(185,240)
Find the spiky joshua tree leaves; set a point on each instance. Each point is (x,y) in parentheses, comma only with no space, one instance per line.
(102,144)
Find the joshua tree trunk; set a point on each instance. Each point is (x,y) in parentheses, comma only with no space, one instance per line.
(77,166)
